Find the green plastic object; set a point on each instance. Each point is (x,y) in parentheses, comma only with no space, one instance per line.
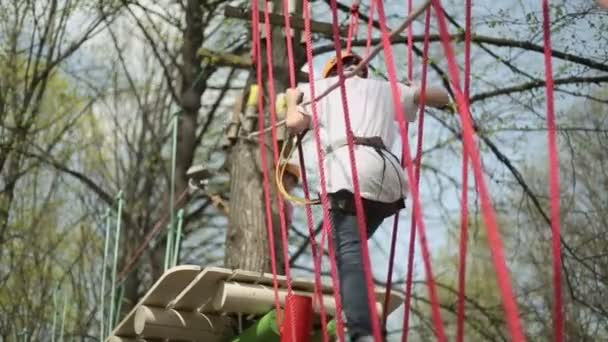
(331,331)
(264,330)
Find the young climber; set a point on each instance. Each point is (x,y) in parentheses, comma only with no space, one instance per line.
(382,181)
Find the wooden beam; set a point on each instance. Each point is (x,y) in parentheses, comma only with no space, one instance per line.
(279,20)
(154,322)
(222,59)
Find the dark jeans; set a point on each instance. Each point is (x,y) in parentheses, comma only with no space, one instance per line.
(347,244)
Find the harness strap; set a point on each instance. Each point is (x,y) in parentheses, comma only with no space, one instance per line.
(375,142)
(344,200)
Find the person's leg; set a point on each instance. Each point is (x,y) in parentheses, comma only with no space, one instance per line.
(353,287)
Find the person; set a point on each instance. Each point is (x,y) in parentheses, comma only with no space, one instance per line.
(382,180)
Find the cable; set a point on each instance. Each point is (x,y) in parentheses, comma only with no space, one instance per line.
(280,173)
(464,216)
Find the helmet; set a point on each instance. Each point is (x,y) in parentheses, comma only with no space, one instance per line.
(332,63)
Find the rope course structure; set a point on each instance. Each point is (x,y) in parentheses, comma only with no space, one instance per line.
(200,304)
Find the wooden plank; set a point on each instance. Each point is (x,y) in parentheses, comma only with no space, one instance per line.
(169,285)
(279,20)
(205,286)
(201,290)
(160,323)
(199,294)
(187,288)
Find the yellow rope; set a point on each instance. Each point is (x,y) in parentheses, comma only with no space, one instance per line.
(280,172)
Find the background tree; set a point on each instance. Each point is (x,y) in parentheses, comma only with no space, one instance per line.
(88,94)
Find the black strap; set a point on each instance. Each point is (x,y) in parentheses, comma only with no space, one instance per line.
(344,200)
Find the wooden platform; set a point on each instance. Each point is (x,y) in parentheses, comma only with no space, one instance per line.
(188,303)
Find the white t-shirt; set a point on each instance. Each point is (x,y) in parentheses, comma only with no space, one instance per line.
(372,113)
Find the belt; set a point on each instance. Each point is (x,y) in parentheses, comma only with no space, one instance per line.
(375,142)
(344,200)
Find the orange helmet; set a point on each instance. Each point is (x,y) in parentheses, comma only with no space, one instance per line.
(333,62)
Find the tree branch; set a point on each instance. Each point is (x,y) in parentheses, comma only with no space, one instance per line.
(537,84)
(152,42)
(502,42)
(279,20)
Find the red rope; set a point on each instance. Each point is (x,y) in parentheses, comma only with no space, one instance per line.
(288,39)
(410,45)
(393,248)
(354,25)
(323,182)
(464,221)
(355,177)
(309,217)
(370,26)
(412,246)
(436,313)
(554,179)
(495,243)
(276,152)
(315,249)
(262,137)
(419,153)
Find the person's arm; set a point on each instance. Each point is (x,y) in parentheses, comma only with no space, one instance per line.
(296,120)
(435,97)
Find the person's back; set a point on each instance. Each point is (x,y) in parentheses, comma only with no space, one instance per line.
(372,114)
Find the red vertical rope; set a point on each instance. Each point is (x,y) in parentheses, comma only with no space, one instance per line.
(309,216)
(494,241)
(412,246)
(410,45)
(275,150)
(355,177)
(264,157)
(436,313)
(315,249)
(354,25)
(275,144)
(323,182)
(288,39)
(370,27)
(464,221)
(554,179)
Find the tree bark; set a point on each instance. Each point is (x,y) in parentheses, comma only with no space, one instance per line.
(247,240)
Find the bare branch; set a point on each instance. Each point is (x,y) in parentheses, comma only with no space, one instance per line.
(537,84)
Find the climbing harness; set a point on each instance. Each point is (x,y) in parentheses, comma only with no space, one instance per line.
(374,142)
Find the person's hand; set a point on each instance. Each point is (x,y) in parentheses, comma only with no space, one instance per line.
(294,96)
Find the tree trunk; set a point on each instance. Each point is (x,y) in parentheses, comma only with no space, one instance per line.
(193,84)
(247,243)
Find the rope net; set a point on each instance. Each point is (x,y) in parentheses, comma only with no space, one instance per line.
(470,156)
(412,165)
